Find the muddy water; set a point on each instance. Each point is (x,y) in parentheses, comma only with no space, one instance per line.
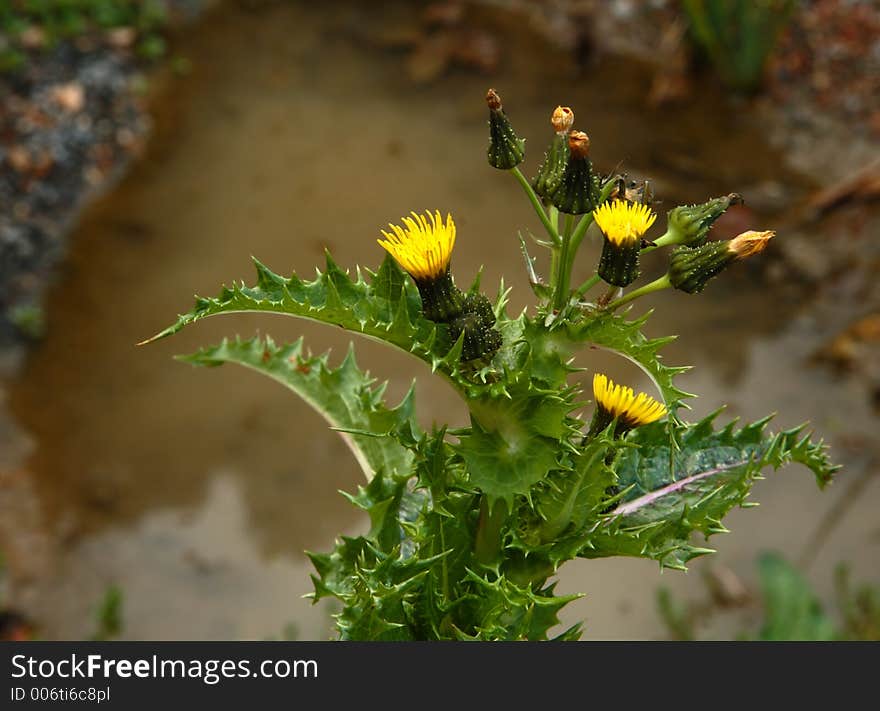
(196,491)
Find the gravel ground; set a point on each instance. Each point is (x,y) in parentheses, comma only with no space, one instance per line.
(69,124)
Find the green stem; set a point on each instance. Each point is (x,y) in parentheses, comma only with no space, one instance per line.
(562,276)
(587,285)
(566,263)
(664,241)
(536,204)
(487,546)
(656,285)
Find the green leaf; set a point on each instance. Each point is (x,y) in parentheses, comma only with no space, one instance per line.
(505,611)
(387,308)
(504,465)
(345,396)
(674,491)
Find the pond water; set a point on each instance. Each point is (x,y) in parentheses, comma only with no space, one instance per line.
(196,491)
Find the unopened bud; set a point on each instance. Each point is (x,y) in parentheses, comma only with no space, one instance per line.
(506,150)
(556,158)
(690,224)
(578,190)
(476,321)
(691,268)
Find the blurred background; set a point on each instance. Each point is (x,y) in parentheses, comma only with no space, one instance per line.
(148,148)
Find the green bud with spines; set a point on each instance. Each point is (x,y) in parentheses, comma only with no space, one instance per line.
(578,191)
(691,268)
(556,158)
(476,321)
(506,149)
(689,224)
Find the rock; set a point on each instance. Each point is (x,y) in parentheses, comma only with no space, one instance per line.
(32,37)
(70,97)
(849,348)
(121,37)
(19,159)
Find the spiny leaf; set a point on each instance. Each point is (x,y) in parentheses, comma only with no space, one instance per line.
(676,491)
(387,308)
(616,334)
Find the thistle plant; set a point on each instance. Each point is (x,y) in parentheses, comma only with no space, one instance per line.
(469,526)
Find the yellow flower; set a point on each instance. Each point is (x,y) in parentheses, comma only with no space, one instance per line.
(618,401)
(622,222)
(423,246)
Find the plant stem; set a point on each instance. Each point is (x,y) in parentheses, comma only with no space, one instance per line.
(587,285)
(487,546)
(656,285)
(562,276)
(663,241)
(536,204)
(570,248)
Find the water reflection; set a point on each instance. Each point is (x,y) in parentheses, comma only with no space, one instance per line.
(197,573)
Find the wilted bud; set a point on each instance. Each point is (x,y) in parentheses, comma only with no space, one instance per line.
(750,243)
(578,190)
(690,268)
(579,144)
(689,224)
(506,150)
(556,157)
(562,119)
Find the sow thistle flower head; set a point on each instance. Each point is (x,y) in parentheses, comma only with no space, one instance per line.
(621,403)
(423,246)
(624,224)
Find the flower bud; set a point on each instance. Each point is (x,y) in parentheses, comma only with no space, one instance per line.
(551,170)
(578,190)
(690,268)
(476,321)
(556,157)
(506,150)
(689,224)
